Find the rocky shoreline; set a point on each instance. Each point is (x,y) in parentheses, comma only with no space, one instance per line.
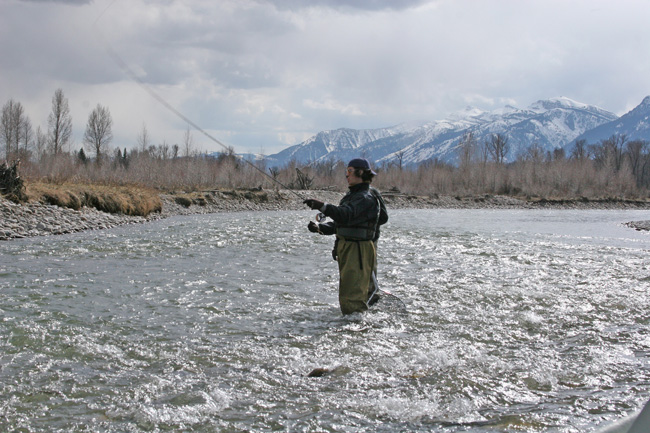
(36,219)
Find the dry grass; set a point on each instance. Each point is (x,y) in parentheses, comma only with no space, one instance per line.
(194,198)
(127,200)
(65,181)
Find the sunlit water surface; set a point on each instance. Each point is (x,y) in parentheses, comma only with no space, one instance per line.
(532,321)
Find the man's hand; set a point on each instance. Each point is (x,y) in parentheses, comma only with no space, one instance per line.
(313,227)
(314,204)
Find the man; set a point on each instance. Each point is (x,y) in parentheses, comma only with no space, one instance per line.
(356,222)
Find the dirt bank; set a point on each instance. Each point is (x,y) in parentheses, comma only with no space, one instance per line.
(38,219)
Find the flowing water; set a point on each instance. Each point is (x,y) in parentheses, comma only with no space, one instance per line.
(530,320)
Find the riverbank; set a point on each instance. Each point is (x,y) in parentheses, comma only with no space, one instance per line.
(38,219)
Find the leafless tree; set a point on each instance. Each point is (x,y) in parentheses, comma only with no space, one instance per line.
(59,123)
(637,154)
(559,154)
(99,131)
(12,128)
(535,153)
(498,148)
(187,142)
(580,150)
(399,156)
(16,131)
(609,152)
(143,139)
(26,140)
(484,152)
(40,143)
(163,150)
(467,148)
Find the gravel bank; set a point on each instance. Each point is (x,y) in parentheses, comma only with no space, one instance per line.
(35,219)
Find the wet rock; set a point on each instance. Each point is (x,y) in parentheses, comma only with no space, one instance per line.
(336,371)
(35,219)
(319,372)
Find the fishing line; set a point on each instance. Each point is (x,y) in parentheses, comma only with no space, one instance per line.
(122,64)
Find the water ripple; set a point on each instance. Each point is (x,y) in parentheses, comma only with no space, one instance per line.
(519,320)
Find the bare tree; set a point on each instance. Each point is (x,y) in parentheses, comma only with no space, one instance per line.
(99,131)
(16,131)
(163,150)
(559,154)
(26,139)
(11,128)
(59,123)
(143,139)
(637,154)
(535,153)
(484,152)
(467,148)
(580,151)
(399,155)
(40,143)
(498,148)
(609,152)
(187,142)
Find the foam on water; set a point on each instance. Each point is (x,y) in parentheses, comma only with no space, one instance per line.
(517,320)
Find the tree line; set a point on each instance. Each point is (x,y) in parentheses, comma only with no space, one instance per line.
(613,167)
(19,140)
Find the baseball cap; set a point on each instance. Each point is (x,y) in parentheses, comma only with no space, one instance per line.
(361,163)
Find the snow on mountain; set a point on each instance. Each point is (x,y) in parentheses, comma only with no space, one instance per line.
(634,124)
(553,123)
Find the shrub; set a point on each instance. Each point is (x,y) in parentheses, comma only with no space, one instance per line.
(127,200)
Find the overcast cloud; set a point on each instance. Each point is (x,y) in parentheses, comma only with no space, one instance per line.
(262,75)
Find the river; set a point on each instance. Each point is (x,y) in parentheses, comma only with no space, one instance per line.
(509,321)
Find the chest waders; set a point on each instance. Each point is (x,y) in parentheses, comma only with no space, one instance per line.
(356,263)
(357,260)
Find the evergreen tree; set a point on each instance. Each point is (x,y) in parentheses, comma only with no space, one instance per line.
(81,156)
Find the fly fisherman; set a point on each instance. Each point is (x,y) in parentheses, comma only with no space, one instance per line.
(356,222)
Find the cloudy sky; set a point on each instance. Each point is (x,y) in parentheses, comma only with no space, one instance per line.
(261,75)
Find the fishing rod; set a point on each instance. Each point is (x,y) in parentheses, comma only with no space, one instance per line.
(125,67)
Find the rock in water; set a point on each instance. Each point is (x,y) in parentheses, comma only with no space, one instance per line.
(319,372)
(339,370)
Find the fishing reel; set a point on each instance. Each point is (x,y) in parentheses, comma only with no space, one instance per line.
(320,217)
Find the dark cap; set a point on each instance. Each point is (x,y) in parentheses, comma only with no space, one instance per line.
(361,163)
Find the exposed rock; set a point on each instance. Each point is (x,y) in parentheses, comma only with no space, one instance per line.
(36,219)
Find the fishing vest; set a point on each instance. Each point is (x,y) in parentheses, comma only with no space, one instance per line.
(362,230)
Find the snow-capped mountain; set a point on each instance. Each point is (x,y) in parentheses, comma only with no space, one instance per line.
(635,125)
(551,124)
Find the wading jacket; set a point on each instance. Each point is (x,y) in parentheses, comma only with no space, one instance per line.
(358,215)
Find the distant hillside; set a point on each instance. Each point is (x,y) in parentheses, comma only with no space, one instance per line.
(551,124)
(635,125)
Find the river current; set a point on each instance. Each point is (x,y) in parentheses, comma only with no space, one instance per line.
(516,320)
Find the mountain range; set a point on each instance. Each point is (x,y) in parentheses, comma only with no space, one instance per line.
(551,124)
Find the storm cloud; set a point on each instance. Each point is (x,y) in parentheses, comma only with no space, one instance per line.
(264,74)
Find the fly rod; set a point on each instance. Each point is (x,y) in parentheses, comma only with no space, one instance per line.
(123,65)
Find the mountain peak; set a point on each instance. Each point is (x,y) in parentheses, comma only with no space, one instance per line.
(635,124)
(468,112)
(550,123)
(557,102)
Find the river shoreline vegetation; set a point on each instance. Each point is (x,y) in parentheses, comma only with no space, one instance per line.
(42,167)
(130,182)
